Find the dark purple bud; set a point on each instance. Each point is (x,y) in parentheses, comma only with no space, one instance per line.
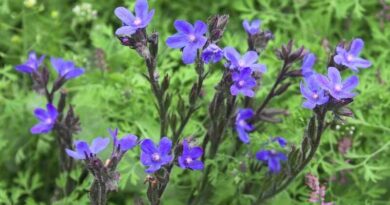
(165,83)
(282,88)
(344,111)
(217,25)
(153,40)
(259,42)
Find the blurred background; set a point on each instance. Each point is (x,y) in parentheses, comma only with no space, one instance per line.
(353,160)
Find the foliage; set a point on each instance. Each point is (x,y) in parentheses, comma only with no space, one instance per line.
(114,94)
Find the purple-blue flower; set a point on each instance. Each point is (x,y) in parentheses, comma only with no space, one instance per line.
(280,140)
(66,69)
(307,65)
(313,93)
(243,83)
(190,38)
(47,119)
(155,156)
(212,54)
(32,64)
(84,151)
(272,158)
(127,142)
(351,58)
(242,125)
(189,157)
(238,62)
(335,86)
(130,22)
(253,27)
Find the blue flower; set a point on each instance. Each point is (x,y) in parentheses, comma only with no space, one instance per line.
(242,126)
(155,157)
(190,38)
(130,22)
(249,60)
(243,83)
(313,93)
(281,141)
(84,151)
(66,69)
(272,158)
(32,64)
(335,86)
(189,157)
(253,27)
(127,142)
(212,54)
(351,58)
(307,65)
(47,119)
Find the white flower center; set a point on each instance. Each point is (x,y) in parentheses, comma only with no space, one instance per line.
(156,157)
(337,87)
(188,160)
(192,37)
(49,121)
(241,83)
(350,57)
(315,95)
(137,21)
(242,123)
(241,63)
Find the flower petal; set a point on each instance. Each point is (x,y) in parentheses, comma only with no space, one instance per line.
(246,26)
(165,146)
(250,58)
(196,152)
(361,63)
(125,31)
(184,27)
(232,55)
(178,40)
(41,128)
(153,168)
(261,68)
(41,114)
(99,144)
(243,135)
(24,69)
(124,15)
(196,165)
(128,142)
(356,46)
(334,75)
(74,154)
(200,28)
(189,54)
(146,159)
(52,111)
(274,165)
(74,73)
(350,83)
(141,8)
(147,19)
(263,155)
(309,104)
(148,146)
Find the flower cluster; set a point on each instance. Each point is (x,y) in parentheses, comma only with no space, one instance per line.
(157,156)
(320,89)
(66,70)
(273,158)
(131,23)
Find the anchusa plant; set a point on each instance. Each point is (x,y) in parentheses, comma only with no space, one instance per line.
(234,109)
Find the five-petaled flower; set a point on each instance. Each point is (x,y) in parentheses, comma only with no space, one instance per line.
(190,38)
(130,22)
(189,157)
(66,69)
(313,93)
(272,158)
(126,143)
(155,157)
(335,86)
(238,62)
(351,58)
(253,27)
(84,151)
(32,64)
(242,125)
(47,119)
(243,83)
(212,54)
(307,65)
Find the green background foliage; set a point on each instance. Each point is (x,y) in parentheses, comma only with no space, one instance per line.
(113,93)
